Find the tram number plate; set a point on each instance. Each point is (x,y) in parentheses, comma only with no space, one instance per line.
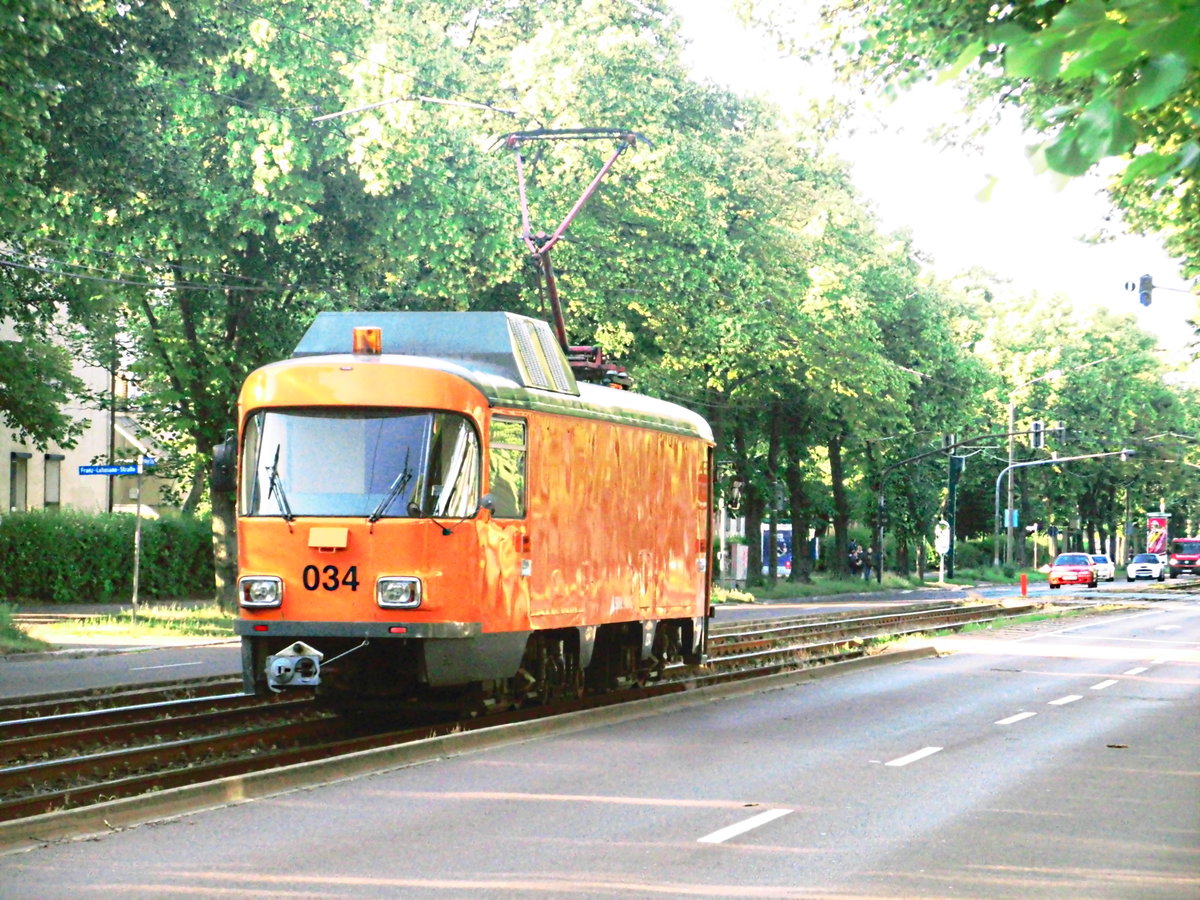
(329,578)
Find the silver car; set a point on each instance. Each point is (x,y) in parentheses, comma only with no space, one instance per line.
(1145,565)
(1106,569)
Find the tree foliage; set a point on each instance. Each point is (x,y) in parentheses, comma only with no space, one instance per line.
(189,186)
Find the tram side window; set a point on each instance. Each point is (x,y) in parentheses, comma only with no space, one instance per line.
(507,467)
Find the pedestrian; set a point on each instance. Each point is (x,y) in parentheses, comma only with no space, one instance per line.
(856,560)
(868,563)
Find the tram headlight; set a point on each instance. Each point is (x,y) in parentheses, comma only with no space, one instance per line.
(398,592)
(260,591)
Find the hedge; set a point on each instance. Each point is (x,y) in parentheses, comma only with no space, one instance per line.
(68,556)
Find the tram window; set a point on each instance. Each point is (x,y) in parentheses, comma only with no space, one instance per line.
(375,462)
(507,467)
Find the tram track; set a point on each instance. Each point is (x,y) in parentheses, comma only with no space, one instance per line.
(177,734)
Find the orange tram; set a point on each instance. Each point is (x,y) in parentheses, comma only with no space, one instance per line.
(432,509)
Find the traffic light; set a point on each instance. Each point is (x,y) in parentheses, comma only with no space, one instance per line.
(1037,435)
(1145,287)
(1059,432)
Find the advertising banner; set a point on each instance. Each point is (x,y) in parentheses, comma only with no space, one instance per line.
(1156,532)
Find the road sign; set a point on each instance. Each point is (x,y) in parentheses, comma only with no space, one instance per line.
(941,537)
(127,469)
(119,469)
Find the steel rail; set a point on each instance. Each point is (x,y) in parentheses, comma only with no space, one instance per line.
(63,702)
(24,746)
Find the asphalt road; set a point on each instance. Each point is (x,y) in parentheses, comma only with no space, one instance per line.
(94,666)
(1053,763)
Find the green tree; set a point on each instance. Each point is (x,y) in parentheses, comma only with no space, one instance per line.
(36,378)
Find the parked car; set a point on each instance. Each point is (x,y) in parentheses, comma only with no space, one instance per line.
(1072,568)
(1145,565)
(1106,569)
(1185,557)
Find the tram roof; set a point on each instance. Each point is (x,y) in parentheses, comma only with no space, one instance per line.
(514,361)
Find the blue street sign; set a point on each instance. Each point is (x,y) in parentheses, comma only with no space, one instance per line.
(130,469)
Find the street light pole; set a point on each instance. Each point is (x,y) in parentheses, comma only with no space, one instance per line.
(1012,425)
(1124,454)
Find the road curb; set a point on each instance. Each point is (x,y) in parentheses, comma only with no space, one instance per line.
(117,815)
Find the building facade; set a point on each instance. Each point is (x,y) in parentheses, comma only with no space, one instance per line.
(51,478)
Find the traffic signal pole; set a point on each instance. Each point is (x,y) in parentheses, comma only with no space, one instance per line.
(881,504)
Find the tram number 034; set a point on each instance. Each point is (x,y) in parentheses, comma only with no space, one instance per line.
(329,578)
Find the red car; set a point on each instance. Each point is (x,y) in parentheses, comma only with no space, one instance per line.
(1072,568)
(1185,557)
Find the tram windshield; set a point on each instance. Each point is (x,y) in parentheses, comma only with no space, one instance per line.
(370,462)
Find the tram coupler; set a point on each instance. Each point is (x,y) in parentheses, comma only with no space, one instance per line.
(297,665)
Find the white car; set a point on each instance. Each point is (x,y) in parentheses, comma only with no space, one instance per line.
(1106,569)
(1145,565)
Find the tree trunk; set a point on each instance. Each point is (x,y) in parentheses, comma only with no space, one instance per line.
(224,527)
(772,560)
(195,492)
(802,562)
(753,508)
(841,508)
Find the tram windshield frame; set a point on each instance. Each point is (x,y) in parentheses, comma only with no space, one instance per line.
(359,462)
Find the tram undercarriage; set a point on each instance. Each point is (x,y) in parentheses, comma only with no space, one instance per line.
(471,675)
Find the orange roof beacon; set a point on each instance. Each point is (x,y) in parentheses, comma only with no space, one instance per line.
(431,508)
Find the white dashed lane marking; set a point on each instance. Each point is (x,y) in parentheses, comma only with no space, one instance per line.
(1017,718)
(1101,685)
(1063,701)
(1136,670)
(913,757)
(724,834)
(167,666)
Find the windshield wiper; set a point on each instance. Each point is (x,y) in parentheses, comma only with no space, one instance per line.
(275,487)
(394,491)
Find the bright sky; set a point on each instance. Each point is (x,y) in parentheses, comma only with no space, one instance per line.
(1029,229)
